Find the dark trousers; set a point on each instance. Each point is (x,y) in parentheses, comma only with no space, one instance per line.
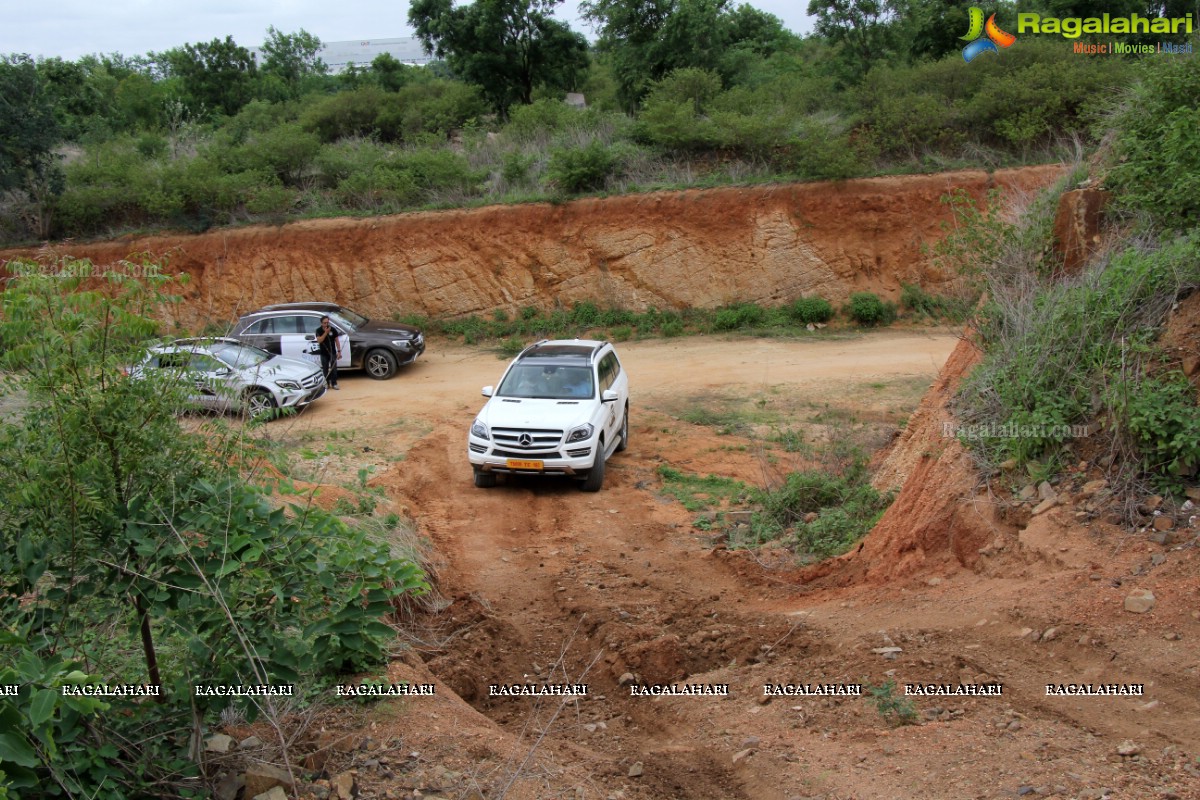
(329,367)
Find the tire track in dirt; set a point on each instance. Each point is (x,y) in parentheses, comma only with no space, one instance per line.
(545,582)
(554,585)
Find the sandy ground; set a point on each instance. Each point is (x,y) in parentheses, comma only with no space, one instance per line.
(539,581)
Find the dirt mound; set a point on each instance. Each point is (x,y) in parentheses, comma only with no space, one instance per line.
(699,248)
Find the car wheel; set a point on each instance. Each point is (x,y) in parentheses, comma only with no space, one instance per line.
(380,364)
(624,431)
(595,478)
(260,404)
(484,480)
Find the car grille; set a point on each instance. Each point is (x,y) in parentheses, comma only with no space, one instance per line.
(524,454)
(313,381)
(539,439)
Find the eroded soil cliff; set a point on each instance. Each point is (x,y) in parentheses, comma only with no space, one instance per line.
(700,248)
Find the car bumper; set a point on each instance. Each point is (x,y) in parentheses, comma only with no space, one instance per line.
(300,399)
(575,459)
(409,354)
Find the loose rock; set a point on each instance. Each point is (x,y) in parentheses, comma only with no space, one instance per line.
(218,743)
(635,771)
(1163,523)
(1140,601)
(343,786)
(1128,749)
(274,793)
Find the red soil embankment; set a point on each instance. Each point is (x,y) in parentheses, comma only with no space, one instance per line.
(700,248)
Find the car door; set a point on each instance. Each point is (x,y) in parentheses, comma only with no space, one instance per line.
(294,340)
(210,376)
(608,372)
(176,367)
(261,334)
(345,361)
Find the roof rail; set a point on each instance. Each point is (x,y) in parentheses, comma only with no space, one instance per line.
(530,347)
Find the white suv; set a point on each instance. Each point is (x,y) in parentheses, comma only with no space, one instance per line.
(562,408)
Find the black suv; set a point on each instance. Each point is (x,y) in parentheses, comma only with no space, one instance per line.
(289,329)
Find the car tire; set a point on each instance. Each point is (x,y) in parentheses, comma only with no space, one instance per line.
(484,480)
(260,404)
(624,432)
(379,364)
(595,478)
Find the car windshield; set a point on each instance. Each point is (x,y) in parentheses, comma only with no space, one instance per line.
(347,320)
(547,382)
(239,356)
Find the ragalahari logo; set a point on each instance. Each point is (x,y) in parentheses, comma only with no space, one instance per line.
(984,36)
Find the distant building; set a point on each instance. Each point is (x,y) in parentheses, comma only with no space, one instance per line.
(339,55)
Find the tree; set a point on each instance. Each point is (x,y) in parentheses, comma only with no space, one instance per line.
(292,58)
(506,47)
(865,29)
(214,76)
(646,40)
(389,72)
(29,132)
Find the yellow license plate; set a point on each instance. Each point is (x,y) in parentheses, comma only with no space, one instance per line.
(519,463)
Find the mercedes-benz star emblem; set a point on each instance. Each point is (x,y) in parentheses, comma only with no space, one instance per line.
(525,440)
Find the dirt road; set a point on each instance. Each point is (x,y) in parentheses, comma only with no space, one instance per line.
(544,583)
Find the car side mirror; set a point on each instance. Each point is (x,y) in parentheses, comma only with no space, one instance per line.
(608,396)
(486,391)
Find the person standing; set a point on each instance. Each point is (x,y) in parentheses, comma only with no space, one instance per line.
(329,345)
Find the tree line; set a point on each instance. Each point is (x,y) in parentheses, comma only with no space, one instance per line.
(679,93)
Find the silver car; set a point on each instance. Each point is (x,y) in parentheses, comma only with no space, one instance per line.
(226,375)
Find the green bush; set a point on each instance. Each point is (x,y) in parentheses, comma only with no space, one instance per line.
(516,167)
(741,315)
(672,328)
(1045,353)
(581,169)
(1156,157)
(936,306)
(810,310)
(1161,416)
(866,308)
(539,120)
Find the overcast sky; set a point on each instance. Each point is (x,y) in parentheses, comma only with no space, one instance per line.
(73,28)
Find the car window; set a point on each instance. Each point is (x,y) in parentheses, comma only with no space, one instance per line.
(263,326)
(607,372)
(346,324)
(171,360)
(547,382)
(309,324)
(203,362)
(240,355)
(286,324)
(349,319)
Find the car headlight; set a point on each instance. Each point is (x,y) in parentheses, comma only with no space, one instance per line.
(581,434)
(293,386)
(480,431)
(403,344)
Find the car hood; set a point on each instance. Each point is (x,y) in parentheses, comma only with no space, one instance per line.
(391,330)
(501,412)
(281,367)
